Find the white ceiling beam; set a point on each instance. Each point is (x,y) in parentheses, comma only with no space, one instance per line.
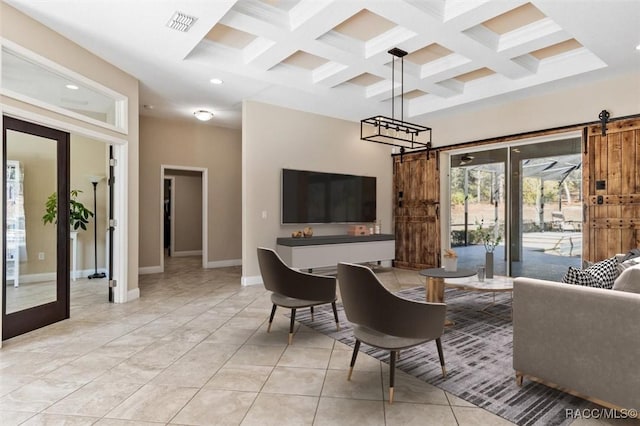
(543,28)
(461,15)
(290,41)
(556,68)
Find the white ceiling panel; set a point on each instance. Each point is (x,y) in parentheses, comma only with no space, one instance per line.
(312,54)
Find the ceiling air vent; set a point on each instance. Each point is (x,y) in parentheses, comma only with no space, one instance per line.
(181,22)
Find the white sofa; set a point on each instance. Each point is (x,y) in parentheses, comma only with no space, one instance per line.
(583,340)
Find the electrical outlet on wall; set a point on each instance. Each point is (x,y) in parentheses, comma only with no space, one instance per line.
(41,255)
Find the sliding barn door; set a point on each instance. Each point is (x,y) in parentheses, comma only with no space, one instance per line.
(611,180)
(417,210)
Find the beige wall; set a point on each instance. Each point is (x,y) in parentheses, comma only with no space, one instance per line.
(191,144)
(188,210)
(31,35)
(274,138)
(561,107)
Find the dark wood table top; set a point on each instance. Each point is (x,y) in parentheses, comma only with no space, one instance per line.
(441,273)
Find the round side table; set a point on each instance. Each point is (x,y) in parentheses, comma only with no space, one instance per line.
(435,284)
(435,281)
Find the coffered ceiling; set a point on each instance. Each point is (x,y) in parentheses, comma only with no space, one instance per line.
(330,56)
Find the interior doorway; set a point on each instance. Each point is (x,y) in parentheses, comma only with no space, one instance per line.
(119,261)
(169,213)
(184,212)
(32,277)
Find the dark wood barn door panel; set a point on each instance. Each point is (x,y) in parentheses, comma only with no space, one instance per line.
(611,179)
(417,211)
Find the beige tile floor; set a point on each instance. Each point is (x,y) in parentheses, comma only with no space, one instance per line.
(27,295)
(194,350)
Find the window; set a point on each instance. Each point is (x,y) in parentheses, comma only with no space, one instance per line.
(36,80)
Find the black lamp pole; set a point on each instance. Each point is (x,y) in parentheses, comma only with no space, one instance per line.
(96,274)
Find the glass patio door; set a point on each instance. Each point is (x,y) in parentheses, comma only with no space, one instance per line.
(545,205)
(478,191)
(529,197)
(36,262)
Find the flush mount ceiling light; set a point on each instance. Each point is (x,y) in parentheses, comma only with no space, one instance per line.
(71,87)
(393,131)
(203,115)
(216,81)
(181,22)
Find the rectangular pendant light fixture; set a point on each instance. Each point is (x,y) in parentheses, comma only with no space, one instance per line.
(393,131)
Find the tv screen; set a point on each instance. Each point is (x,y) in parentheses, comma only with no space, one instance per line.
(315,197)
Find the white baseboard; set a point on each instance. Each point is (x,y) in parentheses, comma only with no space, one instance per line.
(224,263)
(255,280)
(37,278)
(133,294)
(186,253)
(51,276)
(150,270)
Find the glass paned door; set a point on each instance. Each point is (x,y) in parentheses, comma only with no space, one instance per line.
(478,205)
(35,265)
(528,198)
(546,209)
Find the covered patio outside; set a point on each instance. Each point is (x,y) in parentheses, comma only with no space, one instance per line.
(547,255)
(546,205)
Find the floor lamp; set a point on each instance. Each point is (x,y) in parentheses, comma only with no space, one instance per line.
(94,181)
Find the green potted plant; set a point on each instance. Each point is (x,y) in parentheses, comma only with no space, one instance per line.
(78,214)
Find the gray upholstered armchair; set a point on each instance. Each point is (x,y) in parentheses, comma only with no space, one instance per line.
(294,289)
(385,320)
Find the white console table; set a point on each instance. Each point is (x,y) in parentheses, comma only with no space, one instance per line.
(327,251)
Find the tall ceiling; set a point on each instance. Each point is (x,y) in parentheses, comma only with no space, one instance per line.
(331,56)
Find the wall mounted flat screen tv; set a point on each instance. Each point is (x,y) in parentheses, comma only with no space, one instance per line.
(315,197)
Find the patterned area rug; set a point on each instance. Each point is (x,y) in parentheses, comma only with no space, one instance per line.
(478,357)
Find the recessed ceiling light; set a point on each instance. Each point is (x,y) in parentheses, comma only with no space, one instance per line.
(203,115)
(71,87)
(216,81)
(638,47)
